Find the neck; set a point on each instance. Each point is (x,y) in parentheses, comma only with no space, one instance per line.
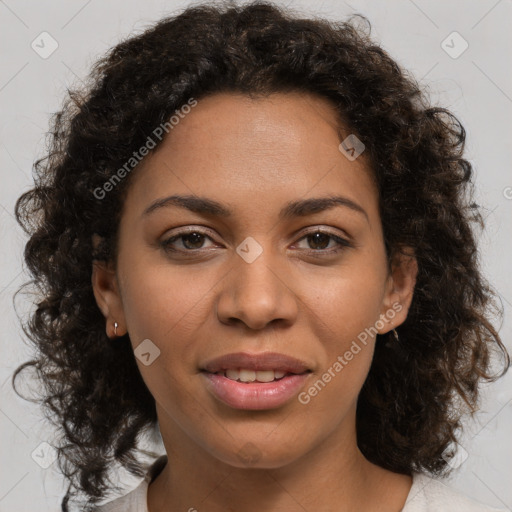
(332,476)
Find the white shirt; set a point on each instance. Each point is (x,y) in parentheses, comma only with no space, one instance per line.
(426,495)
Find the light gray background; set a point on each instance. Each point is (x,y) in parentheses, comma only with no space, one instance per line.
(477,86)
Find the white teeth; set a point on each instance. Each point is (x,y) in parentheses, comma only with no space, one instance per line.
(244,375)
(265,376)
(247,375)
(232,374)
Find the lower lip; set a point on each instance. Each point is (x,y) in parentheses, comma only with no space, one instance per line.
(254,395)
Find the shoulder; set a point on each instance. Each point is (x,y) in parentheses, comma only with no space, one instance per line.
(431,495)
(135,500)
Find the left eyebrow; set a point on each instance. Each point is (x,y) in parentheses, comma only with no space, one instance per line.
(300,208)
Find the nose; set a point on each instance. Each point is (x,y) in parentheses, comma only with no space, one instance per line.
(258,293)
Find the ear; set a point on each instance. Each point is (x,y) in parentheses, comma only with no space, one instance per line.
(106,292)
(399,289)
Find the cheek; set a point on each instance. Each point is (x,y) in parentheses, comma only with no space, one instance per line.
(347,354)
(351,302)
(169,307)
(347,314)
(160,301)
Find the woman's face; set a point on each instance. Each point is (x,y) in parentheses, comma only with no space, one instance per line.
(256,280)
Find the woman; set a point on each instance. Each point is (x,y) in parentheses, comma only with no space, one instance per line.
(253,234)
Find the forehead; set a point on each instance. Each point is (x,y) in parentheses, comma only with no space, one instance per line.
(265,149)
(277,126)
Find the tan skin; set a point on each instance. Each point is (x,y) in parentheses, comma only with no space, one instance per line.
(254,156)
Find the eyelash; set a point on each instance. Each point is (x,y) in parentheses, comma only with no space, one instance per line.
(342,242)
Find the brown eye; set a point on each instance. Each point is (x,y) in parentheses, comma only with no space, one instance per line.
(190,241)
(193,240)
(318,242)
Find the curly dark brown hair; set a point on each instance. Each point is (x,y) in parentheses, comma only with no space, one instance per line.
(418,389)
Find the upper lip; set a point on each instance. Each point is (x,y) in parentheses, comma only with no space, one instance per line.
(263,361)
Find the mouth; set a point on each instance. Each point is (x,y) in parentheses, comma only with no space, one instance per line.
(258,363)
(255,381)
(248,376)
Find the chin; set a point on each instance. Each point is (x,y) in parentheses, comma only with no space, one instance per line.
(258,454)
